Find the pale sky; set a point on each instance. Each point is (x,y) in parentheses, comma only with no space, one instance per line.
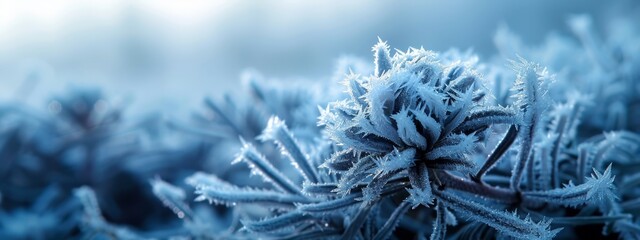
(165,52)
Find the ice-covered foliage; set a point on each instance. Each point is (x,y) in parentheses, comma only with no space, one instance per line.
(417,144)
(407,143)
(602,64)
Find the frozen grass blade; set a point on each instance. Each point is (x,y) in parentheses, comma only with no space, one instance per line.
(260,165)
(391,223)
(509,224)
(277,131)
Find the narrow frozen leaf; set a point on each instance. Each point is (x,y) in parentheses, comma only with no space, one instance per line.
(454,73)
(340,161)
(439,231)
(366,129)
(223,116)
(346,201)
(88,199)
(277,131)
(506,223)
(355,89)
(541,164)
(359,172)
(616,147)
(372,223)
(95,223)
(627,229)
(314,234)
(397,160)
(204,179)
(260,165)
(598,190)
(460,86)
(450,218)
(458,112)
(433,100)
(319,188)
(585,160)
(45,200)
(420,191)
(235,195)
(380,98)
(215,190)
(430,126)
(497,152)
(560,124)
(374,189)
(172,197)
(350,138)
(407,129)
(207,134)
(531,88)
(358,220)
(382,59)
(275,223)
(338,115)
(330,205)
(486,117)
(502,195)
(454,146)
(461,164)
(391,223)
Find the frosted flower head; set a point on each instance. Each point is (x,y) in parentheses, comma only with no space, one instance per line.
(416,112)
(413,101)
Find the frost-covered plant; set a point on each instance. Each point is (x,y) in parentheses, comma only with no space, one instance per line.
(421,145)
(80,140)
(232,123)
(412,112)
(94,224)
(229,119)
(284,202)
(405,144)
(416,120)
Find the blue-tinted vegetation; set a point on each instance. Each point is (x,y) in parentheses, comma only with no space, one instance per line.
(416,144)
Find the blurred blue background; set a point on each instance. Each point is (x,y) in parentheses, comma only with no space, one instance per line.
(161,55)
(158,60)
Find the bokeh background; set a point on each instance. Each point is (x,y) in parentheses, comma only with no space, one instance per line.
(168,55)
(155,62)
